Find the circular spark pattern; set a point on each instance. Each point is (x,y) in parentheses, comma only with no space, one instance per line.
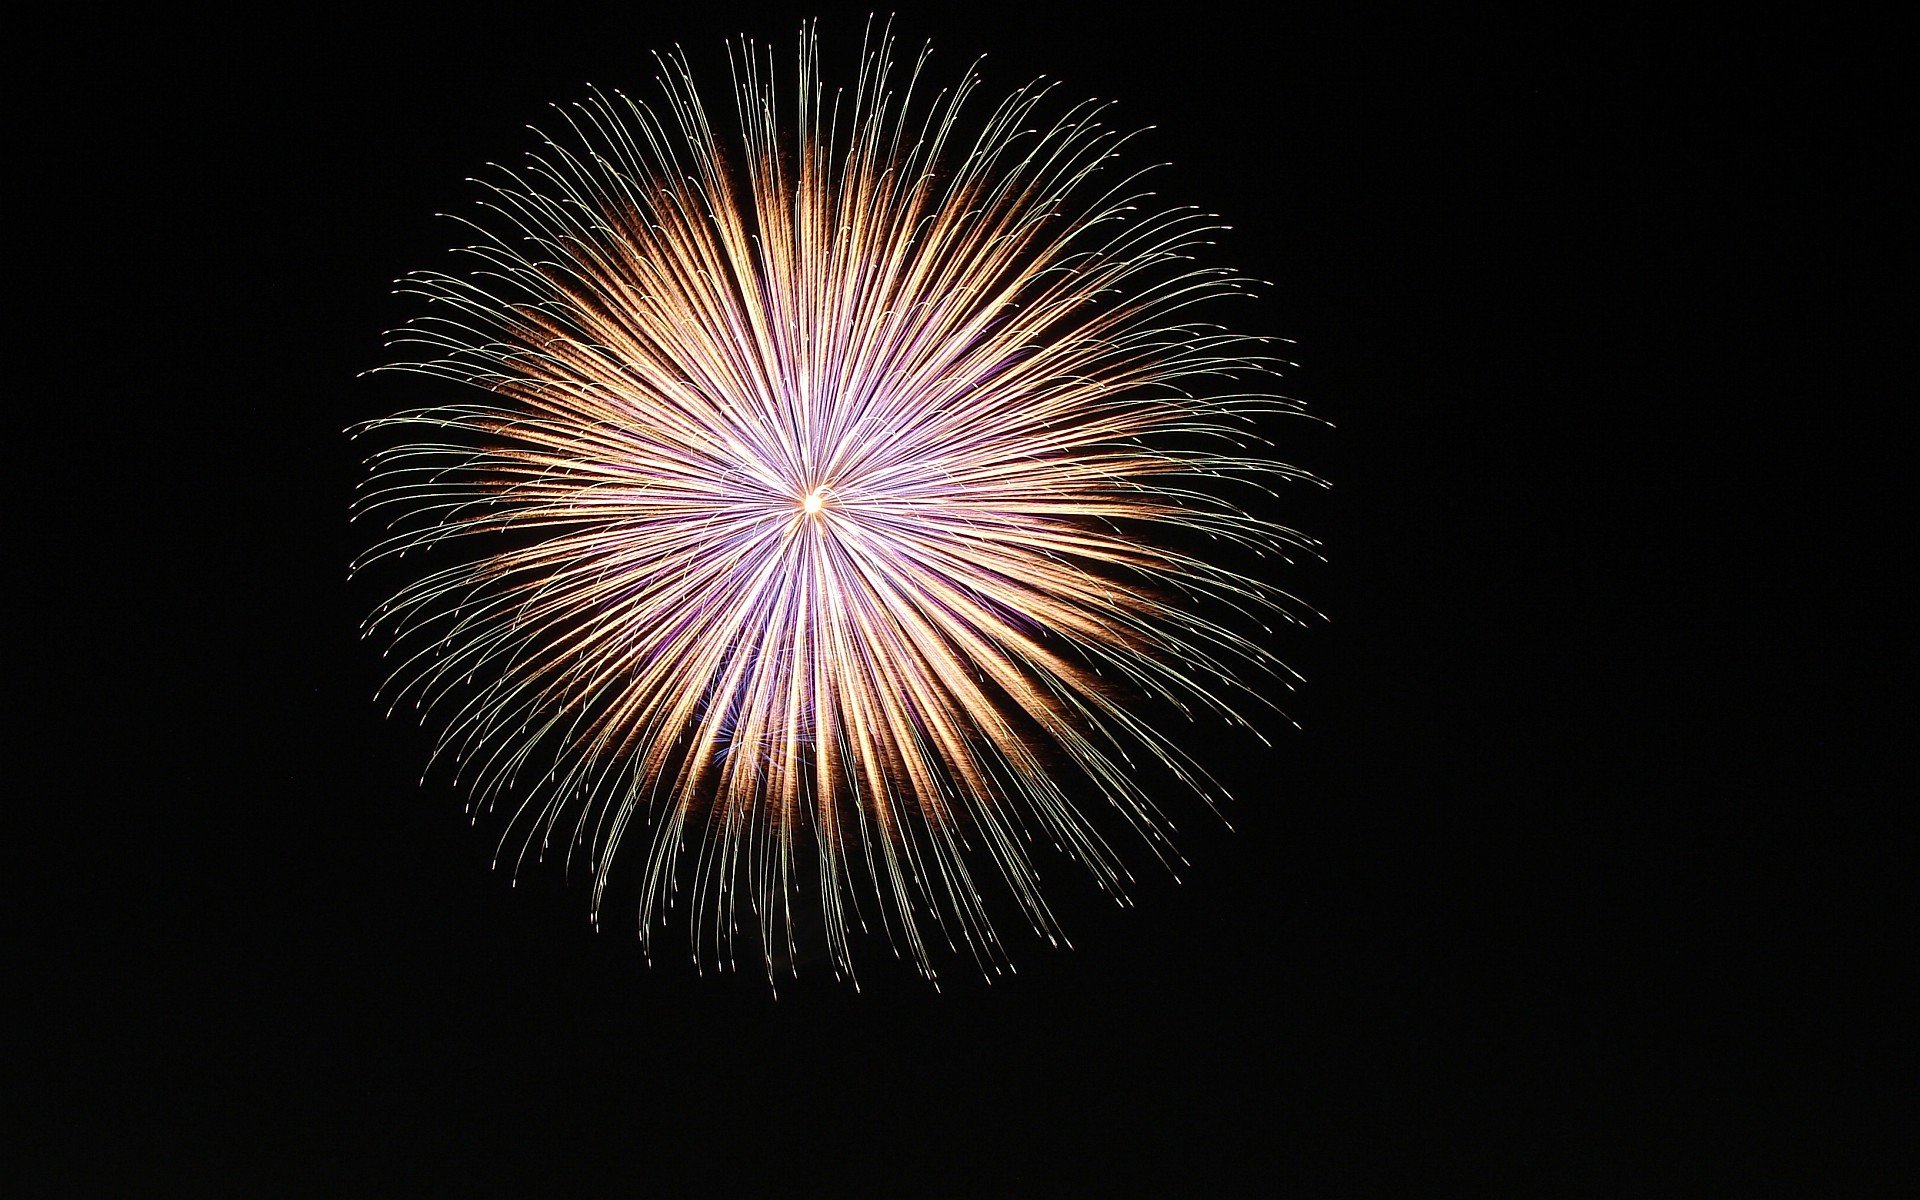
(815,531)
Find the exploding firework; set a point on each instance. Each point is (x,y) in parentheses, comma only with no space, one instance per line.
(815,543)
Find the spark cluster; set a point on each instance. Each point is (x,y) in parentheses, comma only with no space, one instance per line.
(813,538)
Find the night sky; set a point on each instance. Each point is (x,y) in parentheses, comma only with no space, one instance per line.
(1460,934)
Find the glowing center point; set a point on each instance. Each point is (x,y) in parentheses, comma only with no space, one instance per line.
(815,501)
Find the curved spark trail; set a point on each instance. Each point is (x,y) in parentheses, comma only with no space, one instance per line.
(810,508)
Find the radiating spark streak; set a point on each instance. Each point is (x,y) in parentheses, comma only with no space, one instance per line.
(812,504)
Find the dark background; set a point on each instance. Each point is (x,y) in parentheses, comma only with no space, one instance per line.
(1482,924)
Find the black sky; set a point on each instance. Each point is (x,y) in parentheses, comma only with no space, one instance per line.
(1465,928)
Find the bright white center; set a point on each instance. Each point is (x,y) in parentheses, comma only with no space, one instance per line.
(812,504)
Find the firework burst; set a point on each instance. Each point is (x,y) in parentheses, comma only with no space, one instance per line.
(802,548)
